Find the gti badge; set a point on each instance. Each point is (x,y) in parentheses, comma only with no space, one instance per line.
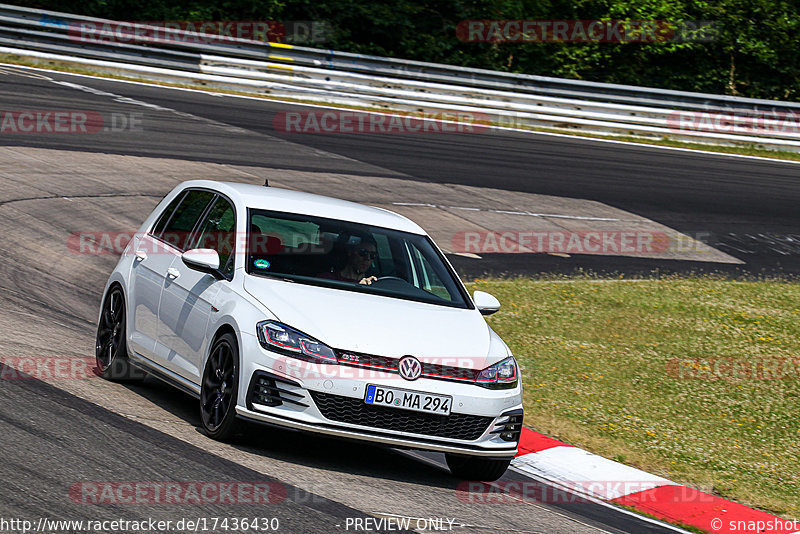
(410,368)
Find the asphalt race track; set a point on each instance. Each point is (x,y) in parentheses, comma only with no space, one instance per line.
(745,207)
(54,425)
(58,433)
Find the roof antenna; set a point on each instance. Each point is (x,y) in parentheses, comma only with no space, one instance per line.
(266,182)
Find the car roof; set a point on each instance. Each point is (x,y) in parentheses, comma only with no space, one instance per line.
(289,201)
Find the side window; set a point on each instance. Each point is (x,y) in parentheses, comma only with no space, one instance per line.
(218,232)
(165,216)
(425,276)
(179,228)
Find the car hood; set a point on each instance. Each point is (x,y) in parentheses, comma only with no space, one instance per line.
(374,324)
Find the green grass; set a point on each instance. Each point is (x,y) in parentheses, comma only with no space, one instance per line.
(78,68)
(607,365)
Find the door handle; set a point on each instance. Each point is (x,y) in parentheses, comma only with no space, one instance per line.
(173,273)
(141,255)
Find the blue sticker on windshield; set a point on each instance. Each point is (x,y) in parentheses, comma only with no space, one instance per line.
(261,264)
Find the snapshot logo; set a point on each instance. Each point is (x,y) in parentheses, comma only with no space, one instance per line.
(67,122)
(353,122)
(560,242)
(738,122)
(771,368)
(775,524)
(569,491)
(584,31)
(202,32)
(47,368)
(177,493)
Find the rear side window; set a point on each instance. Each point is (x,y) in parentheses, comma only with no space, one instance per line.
(165,216)
(218,232)
(178,230)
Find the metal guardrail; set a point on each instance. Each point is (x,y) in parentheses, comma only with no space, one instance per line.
(387,83)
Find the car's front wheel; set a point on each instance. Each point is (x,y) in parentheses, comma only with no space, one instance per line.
(475,468)
(111,349)
(219,388)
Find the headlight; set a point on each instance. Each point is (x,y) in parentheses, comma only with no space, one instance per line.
(286,340)
(502,375)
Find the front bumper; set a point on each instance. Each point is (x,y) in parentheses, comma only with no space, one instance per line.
(330,400)
(374,436)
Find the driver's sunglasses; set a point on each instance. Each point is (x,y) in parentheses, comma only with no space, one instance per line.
(373,254)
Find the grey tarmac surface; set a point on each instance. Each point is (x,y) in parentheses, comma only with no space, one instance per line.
(745,208)
(67,431)
(60,452)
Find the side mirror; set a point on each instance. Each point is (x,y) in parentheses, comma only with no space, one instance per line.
(205,260)
(487,304)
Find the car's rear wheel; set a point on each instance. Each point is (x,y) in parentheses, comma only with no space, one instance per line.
(475,468)
(219,388)
(111,349)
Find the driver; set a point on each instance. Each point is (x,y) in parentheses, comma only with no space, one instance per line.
(361,252)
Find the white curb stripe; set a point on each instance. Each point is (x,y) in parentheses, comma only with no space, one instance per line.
(587,473)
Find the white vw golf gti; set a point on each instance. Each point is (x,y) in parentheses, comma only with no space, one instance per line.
(314,314)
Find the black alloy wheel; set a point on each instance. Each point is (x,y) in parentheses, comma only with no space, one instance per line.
(219,388)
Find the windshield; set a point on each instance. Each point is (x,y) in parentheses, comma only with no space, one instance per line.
(352,257)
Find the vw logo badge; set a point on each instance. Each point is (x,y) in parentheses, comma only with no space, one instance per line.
(410,368)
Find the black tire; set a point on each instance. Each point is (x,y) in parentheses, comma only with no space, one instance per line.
(220,388)
(111,347)
(475,468)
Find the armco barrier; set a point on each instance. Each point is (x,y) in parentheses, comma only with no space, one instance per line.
(328,76)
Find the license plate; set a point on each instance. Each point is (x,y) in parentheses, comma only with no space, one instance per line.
(408,400)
